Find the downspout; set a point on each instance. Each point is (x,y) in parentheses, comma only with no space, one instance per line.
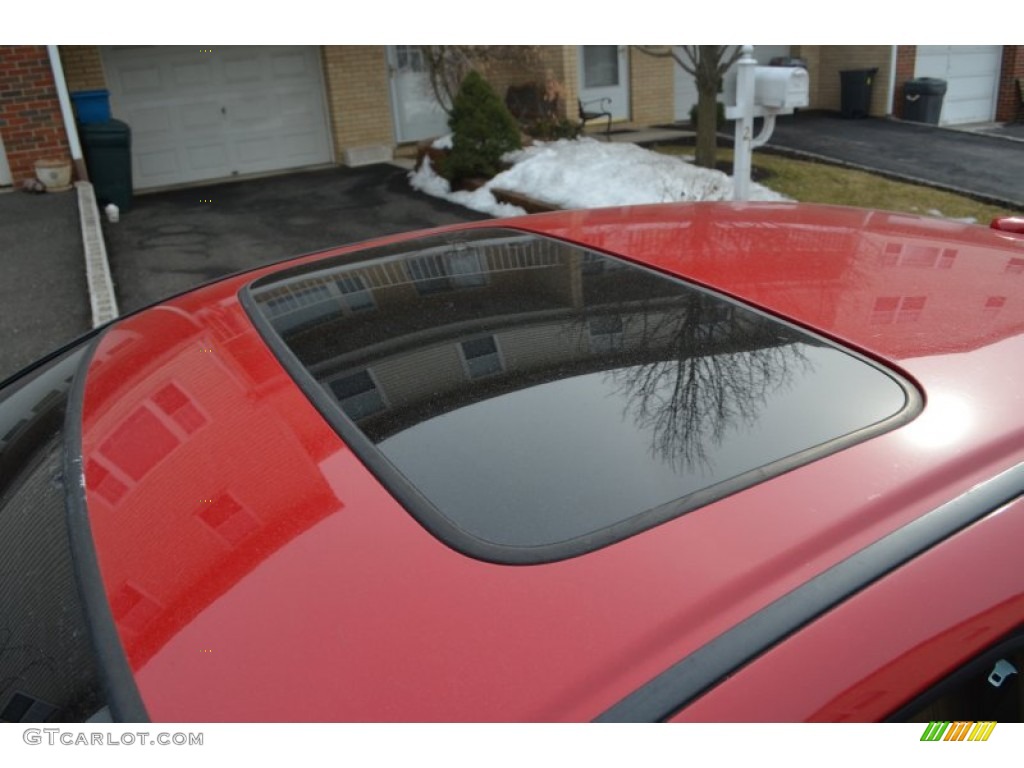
(65,110)
(890,109)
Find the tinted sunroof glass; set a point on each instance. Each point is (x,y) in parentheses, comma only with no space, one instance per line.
(529,399)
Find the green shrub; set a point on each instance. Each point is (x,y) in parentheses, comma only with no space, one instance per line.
(482,131)
(720,109)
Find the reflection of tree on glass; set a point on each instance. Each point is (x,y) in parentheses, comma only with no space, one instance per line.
(715,374)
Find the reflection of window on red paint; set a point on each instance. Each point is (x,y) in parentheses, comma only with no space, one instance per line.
(105,482)
(132,608)
(993,304)
(228,518)
(179,406)
(1015,266)
(144,439)
(919,256)
(897,309)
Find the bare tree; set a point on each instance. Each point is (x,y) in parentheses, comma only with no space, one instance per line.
(708,65)
(447,65)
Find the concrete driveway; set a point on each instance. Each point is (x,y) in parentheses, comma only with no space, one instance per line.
(172,241)
(989,166)
(44,302)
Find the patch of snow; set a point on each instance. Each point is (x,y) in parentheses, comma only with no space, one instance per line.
(443,142)
(586,173)
(426,180)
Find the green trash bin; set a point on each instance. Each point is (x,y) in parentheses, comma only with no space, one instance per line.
(855,91)
(107,147)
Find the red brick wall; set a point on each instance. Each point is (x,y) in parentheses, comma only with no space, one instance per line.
(1008,107)
(906,58)
(30,118)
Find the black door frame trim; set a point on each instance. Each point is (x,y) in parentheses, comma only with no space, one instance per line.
(703,669)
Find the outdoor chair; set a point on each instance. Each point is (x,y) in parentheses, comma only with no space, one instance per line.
(595,114)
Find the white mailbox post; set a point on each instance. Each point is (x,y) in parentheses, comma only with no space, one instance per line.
(759,92)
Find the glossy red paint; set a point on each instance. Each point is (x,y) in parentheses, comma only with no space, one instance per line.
(900,636)
(257,571)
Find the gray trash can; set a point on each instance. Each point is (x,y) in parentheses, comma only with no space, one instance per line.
(107,147)
(855,95)
(922,99)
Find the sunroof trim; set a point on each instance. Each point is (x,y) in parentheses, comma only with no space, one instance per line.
(447,530)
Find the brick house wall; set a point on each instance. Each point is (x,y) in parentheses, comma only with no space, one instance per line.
(651,88)
(906,59)
(358,96)
(30,118)
(1008,106)
(825,62)
(83,69)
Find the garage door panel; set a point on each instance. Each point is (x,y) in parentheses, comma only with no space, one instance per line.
(198,115)
(157,164)
(971,73)
(245,70)
(142,79)
(201,117)
(289,66)
(299,146)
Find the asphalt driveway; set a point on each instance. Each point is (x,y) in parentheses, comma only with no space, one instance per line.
(987,166)
(171,241)
(44,302)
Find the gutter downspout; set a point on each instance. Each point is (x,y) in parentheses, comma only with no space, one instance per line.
(890,110)
(68,115)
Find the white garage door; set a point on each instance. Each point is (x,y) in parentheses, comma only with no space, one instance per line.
(972,74)
(198,114)
(686,88)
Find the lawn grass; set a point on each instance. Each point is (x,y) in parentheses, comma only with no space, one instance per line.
(811,182)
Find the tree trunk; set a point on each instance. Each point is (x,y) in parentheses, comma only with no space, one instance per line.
(707,118)
(707,105)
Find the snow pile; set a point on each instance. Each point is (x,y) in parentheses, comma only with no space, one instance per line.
(585,173)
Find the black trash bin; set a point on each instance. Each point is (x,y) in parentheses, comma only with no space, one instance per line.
(107,147)
(856,91)
(922,99)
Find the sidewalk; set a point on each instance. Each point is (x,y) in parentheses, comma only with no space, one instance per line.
(44,300)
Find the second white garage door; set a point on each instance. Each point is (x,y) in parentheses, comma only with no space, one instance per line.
(199,114)
(972,76)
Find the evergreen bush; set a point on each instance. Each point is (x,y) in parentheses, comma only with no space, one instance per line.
(482,131)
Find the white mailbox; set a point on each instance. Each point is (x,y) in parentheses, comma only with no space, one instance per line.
(781,87)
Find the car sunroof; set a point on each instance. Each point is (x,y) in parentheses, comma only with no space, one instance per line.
(528,400)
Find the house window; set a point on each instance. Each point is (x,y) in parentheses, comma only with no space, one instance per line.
(897,309)
(600,66)
(229,519)
(358,395)
(481,357)
(446,271)
(355,295)
(605,333)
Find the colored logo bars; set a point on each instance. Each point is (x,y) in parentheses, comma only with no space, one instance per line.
(958,731)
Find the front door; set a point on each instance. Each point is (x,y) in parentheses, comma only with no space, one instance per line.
(604,73)
(417,113)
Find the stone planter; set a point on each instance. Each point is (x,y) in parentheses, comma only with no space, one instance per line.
(54,174)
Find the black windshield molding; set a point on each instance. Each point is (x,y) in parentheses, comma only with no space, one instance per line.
(123,695)
(438,524)
(709,665)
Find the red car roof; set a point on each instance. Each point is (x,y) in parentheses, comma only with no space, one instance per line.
(256,570)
